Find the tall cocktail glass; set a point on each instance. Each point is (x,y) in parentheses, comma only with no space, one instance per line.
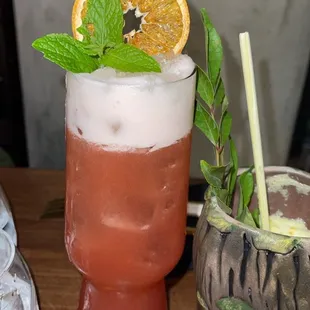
(128,154)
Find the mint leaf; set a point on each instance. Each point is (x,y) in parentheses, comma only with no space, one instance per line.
(215,51)
(66,52)
(213,174)
(104,21)
(225,127)
(232,303)
(92,49)
(205,88)
(127,58)
(205,122)
(86,35)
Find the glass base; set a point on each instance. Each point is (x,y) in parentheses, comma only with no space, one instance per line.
(146,298)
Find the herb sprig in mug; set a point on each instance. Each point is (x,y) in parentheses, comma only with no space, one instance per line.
(214,120)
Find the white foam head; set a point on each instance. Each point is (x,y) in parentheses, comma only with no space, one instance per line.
(125,110)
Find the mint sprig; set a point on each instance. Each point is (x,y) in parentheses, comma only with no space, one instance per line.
(102,43)
(214,120)
(68,53)
(103,22)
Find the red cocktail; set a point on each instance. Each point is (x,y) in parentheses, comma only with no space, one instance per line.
(128,155)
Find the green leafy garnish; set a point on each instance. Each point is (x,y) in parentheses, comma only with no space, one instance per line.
(213,174)
(225,127)
(214,120)
(220,93)
(255,215)
(102,30)
(206,123)
(103,22)
(243,214)
(221,194)
(205,88)
(68,53)
(232,178)
(246,182)
(125,57)
(213,49)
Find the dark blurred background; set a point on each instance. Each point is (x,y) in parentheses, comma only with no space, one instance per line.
(13,147)
(32,90)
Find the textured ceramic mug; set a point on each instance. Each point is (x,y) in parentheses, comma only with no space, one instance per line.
(263,269)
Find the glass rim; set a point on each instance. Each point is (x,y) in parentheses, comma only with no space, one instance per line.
(85,76)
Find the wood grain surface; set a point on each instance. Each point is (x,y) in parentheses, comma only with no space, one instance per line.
(41,241)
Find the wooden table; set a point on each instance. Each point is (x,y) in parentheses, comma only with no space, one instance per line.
(42,245)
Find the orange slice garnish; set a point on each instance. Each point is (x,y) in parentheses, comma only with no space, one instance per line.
(78,13)
(164,24)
